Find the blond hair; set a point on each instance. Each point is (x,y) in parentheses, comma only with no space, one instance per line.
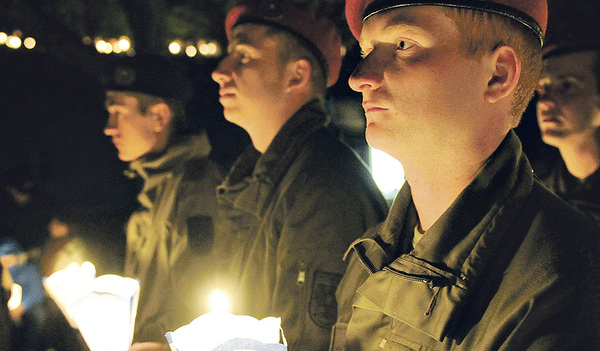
(483,32)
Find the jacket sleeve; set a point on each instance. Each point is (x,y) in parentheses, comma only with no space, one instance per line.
(319,221)
(571,324)
(196,212)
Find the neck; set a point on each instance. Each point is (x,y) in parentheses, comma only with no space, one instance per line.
(582,156)
(434,193)
(262,135)
(436,182)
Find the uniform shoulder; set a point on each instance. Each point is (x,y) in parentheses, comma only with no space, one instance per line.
(560,236)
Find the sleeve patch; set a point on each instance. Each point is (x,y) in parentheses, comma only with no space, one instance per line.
(322,304)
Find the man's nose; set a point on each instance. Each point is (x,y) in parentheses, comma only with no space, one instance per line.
(222,74)
(366,76)
(110,128)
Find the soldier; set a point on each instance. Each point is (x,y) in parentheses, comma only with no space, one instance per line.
(475,254)
(568,111)
(169,239)
(297,197)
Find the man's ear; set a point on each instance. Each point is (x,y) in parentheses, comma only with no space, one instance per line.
(506,71)
(298,74)
(161,116)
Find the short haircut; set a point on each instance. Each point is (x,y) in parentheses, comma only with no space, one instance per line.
(483,32)
(291,49)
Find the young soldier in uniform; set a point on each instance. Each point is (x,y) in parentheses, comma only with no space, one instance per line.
(568,111)
(297,197)
(169,239)
(475,254)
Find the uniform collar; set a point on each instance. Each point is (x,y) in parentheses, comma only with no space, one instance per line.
(182,149)
(272,165)
(470,228)
(155,170)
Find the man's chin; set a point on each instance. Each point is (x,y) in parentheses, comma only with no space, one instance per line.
(126,158)
(551,137)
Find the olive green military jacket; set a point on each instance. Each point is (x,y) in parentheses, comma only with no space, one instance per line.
(288,216)
(509,266)
(169,239)
(584,194)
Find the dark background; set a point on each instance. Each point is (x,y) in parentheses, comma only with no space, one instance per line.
(52,112)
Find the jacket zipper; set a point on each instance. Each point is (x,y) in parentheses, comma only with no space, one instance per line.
(427,281)
(406,276)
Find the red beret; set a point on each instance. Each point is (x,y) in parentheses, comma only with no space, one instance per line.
(531,13)
(316,32)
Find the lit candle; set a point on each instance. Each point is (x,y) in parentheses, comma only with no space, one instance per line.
(102,308)
(220,330)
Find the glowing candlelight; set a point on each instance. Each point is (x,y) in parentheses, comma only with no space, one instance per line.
(16,295)
(222,331)
(219,302)
(102,308)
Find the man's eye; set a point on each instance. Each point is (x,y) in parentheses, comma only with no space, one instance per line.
(243,57)
(568,87)
(403,45)
(540,89)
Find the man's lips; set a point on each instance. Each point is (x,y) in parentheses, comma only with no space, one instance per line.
(369,106)
(226,95)
(226,92)
(549,118)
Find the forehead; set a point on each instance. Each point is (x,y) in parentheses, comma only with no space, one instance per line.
(424,23)
(577,63)
(120,98)
(252,34)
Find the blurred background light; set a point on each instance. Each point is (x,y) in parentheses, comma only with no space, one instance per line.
(387,172)
(13,42)
(191,50)
(29,43)
(175,47)
(100,45)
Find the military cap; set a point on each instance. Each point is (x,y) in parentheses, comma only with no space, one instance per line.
(148,74)
(533,14)
(316,32)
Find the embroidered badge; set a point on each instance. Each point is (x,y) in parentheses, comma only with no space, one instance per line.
(322,305)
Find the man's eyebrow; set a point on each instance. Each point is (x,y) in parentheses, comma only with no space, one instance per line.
(402,18)
(400,22)
(238,38)
(110,100)
(113,99)
(563,76)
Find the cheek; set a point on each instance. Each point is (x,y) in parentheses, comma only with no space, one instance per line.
(577,108)
(138,133)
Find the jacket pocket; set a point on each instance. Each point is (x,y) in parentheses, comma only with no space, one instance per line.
(414,293)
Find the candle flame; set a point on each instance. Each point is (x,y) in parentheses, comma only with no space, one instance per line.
(219,302)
